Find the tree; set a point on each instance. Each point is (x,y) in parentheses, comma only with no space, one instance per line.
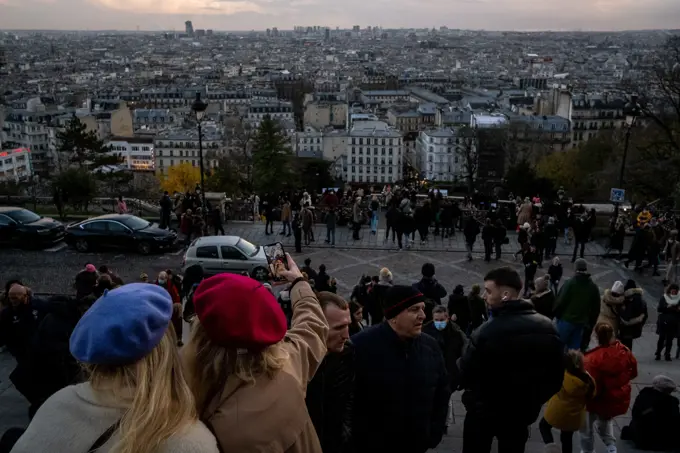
(317,173)
(272,159)
(74,186)
(225,177)
(181,178)
(467,150)
(78,146)
(240,143)
(521,179)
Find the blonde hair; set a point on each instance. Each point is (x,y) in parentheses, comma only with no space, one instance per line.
(161,403)
(209,365)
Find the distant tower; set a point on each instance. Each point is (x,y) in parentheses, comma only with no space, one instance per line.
(3,60)
(327,34)
(189,28)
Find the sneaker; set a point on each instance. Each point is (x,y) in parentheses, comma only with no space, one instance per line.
(611,449)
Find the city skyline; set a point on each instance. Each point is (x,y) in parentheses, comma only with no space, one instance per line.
(242,15)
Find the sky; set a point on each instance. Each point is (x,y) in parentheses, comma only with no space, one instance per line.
(599,15)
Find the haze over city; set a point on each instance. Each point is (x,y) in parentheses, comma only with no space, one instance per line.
(259,14)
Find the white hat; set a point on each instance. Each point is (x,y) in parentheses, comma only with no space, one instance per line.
(618,288)
(663,384)
(526,225)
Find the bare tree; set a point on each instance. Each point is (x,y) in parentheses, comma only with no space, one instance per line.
(239,139)
(466,149)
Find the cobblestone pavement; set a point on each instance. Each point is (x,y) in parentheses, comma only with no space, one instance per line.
(53,272)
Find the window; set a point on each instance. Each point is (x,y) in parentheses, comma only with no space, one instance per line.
(94,227)
(115,227)
(354,169)
(230,253)
(361,160)
(353,150)
(4,220)
(354,159)
(207,252)
(390,151)
(361,141)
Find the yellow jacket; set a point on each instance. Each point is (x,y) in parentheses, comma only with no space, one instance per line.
(566,410)
(644,217)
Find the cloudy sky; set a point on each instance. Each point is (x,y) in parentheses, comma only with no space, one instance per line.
(261,14)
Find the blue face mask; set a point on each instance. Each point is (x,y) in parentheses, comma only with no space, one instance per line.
(440,325)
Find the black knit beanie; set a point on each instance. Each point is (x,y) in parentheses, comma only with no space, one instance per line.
(398,298)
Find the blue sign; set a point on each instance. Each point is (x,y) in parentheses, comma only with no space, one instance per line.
(617,195)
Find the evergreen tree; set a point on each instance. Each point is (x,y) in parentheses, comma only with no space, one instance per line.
(272,158)
(78,146)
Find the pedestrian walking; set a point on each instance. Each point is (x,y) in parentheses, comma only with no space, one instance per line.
(633,314)
(470,232)
(286,217)
(331,221)
(523,238)
(612,366)
(668,322)
(577,307)
(432,290)
(297,232)
(672,255)
(402,388)
(216,215)
(523,347)
(391,220)
(551,233)
(566,410)
(488,237)
(307,217)
(479,312)
(582,230)
(555,272)
(122,206)
(357,218)
(611,305)
(375,213)
(500,237)
(543,298)
(166,210)
(530,261)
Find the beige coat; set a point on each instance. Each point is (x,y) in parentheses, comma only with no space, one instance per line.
(271,415)
(286,213)
(526,212)
(609,305)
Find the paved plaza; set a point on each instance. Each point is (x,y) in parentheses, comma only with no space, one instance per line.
(53,272)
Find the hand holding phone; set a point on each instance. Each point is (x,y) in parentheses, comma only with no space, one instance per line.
(276,258)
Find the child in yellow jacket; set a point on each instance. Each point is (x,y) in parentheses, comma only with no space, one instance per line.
(566,410)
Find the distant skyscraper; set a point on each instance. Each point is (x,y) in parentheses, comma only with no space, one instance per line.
(356,28)
(269,33)
(189,28)
(327,34)
(275,32)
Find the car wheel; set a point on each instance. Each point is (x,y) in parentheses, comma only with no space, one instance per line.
(260,274)
(144,248)
(82,245)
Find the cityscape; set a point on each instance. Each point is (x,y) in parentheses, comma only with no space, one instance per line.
(525,161)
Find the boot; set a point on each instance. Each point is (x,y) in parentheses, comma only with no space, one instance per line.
(657,356)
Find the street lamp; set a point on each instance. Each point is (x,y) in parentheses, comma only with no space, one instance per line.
(632,111)
(199,107)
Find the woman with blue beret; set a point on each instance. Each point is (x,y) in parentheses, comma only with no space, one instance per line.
(136,399)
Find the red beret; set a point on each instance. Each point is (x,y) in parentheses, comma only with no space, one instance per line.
(237,311)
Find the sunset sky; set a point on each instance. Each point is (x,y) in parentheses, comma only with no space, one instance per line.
(284,14)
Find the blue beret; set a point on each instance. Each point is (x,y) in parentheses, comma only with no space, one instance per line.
(122,326)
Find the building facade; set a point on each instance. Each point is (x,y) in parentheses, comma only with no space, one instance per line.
(137,153)
(15,165)
(374,153)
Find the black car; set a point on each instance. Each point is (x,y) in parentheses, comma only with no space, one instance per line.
(120,231)
(24,228)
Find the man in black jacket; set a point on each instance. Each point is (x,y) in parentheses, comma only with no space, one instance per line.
(512,365)
(402,388)
(432,290)
(330,394)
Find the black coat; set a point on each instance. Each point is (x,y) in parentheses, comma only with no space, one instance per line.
(402,392)
(555,273)
(488,233)
(471,230)
(375,301)
(433,291)
(18,326)
(330,401)
(544,303)
(500,233)
(459,305)
(524,348)
(452,343)
(668,321)
(633,307)
(656,416)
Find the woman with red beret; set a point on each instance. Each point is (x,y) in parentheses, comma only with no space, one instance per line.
(248,374)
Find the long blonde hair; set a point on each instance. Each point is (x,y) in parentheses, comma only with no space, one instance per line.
(161,403)
(209,365)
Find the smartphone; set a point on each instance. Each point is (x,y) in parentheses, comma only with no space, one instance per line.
(276,257)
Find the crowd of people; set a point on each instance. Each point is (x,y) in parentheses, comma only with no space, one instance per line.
(312,371)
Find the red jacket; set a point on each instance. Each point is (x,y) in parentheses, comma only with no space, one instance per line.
(612,367)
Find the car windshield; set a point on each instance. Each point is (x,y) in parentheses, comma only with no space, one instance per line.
(23,216)
(247,248)
(135,223)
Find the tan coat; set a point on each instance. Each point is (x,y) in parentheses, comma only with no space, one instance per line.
(286,213)
(526,211)
(608,307)
(271,415)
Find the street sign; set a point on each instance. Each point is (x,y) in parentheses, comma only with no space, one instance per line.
(617,195)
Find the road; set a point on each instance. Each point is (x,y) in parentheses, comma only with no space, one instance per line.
(53,272)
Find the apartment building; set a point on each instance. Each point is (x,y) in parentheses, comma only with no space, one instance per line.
(374,153)
(137,153)
(15,165)
(177,146)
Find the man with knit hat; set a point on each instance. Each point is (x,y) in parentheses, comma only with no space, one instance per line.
(577,307)
(433,291)
(402,389)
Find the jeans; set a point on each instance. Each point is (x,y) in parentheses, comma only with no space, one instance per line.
(566,437)
(469,246)
(286,227)
(576,245)
(554,284)
(308,235)
(666,339)
(330,235)
(570,334)
(450,416)
(566,236)
(672,269)
(478,435)
(604,427)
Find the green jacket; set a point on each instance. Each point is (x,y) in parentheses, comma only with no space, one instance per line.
(578,301)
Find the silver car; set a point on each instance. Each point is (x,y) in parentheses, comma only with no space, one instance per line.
(232,254)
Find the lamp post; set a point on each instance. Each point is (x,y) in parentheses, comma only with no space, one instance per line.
(632,110)
(199,107)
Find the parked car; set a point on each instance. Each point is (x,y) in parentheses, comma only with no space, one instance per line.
(120,231)
(24,228)
(230,254)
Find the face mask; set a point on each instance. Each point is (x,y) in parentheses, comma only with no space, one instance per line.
(440,325)
(161,281)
